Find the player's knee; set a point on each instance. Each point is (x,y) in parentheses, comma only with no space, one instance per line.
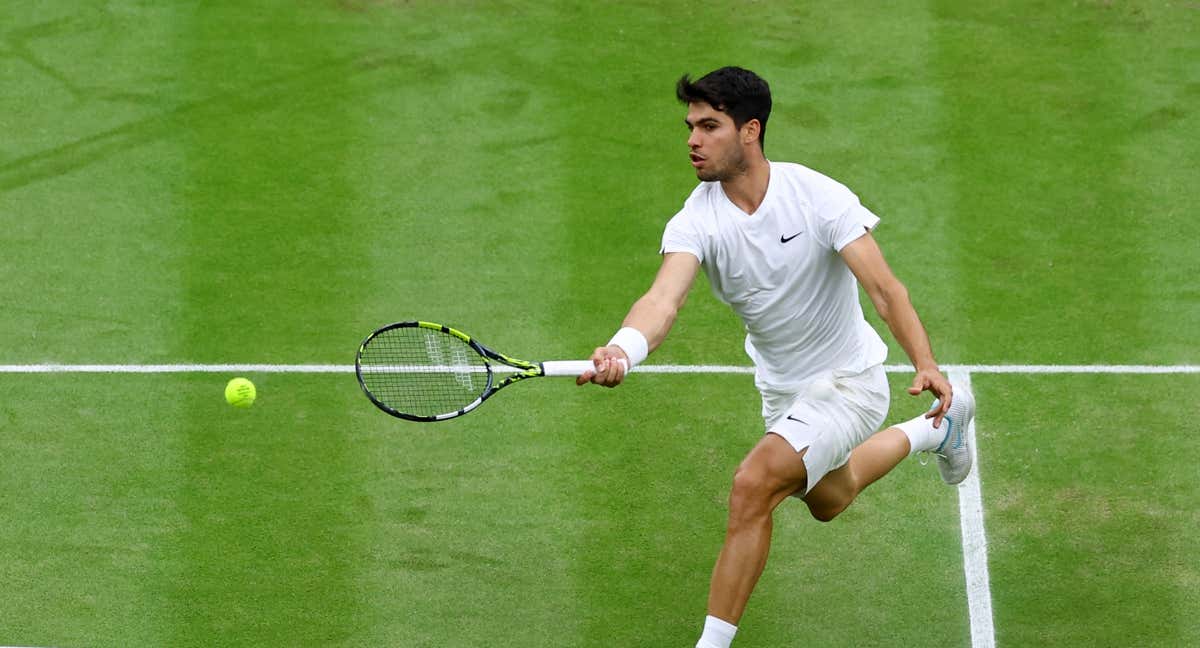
(828,501)
(750,495)
(827,511)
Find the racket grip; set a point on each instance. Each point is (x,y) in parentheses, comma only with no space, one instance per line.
(572,368)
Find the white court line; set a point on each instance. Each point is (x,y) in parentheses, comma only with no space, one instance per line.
(974,540)
(176,368)
(649,369)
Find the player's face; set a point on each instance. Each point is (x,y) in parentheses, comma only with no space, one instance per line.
(717,151)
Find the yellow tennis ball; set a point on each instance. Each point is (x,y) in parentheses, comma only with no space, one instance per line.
(240,392)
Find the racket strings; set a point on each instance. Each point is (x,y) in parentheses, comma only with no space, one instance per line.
(423,372)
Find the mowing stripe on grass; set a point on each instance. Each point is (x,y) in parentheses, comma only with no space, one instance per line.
(644,369)
(974,541)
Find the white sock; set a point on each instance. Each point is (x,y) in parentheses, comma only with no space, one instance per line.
(717,633)
(922,436)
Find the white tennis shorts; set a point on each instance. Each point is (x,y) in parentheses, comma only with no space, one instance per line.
(830,416)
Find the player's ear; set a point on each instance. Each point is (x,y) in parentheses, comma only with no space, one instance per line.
(750,131)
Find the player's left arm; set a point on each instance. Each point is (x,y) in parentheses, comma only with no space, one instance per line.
(891,301)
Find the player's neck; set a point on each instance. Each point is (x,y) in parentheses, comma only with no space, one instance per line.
(747,190)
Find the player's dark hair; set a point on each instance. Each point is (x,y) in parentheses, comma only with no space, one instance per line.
(737,92)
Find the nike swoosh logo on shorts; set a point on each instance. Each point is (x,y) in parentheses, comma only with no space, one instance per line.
(793,418)
(785,239)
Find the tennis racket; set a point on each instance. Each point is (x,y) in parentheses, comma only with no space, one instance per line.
(421,371)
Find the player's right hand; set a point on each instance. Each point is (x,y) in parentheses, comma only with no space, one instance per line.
(609,367)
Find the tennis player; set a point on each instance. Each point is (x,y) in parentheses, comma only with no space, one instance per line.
(783,245)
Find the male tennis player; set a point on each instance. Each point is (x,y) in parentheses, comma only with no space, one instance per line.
(783,246)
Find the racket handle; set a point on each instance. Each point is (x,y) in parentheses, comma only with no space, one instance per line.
(571,368)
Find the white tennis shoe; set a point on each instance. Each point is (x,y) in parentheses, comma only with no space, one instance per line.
(954,452)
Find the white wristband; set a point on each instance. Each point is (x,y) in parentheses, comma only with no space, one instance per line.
(633,343)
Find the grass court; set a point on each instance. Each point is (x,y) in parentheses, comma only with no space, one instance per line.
(267,182)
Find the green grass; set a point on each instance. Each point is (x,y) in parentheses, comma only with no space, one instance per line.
(225,182)
(1091,516)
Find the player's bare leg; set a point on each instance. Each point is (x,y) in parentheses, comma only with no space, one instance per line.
(885,449)
(870,461)
(770,473)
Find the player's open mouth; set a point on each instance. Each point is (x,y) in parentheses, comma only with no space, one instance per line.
(697,160)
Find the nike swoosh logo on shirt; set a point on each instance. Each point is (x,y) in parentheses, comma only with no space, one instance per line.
(793,418)
(785,239)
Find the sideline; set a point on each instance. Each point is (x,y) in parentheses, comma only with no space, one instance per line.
(974,540)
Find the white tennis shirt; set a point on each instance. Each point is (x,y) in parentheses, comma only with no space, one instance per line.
(780,271)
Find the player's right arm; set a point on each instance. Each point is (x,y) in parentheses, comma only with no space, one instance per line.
(652,315)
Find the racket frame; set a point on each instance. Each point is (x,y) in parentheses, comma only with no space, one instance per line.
(524,370)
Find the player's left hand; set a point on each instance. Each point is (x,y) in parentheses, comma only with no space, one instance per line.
(933,381)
